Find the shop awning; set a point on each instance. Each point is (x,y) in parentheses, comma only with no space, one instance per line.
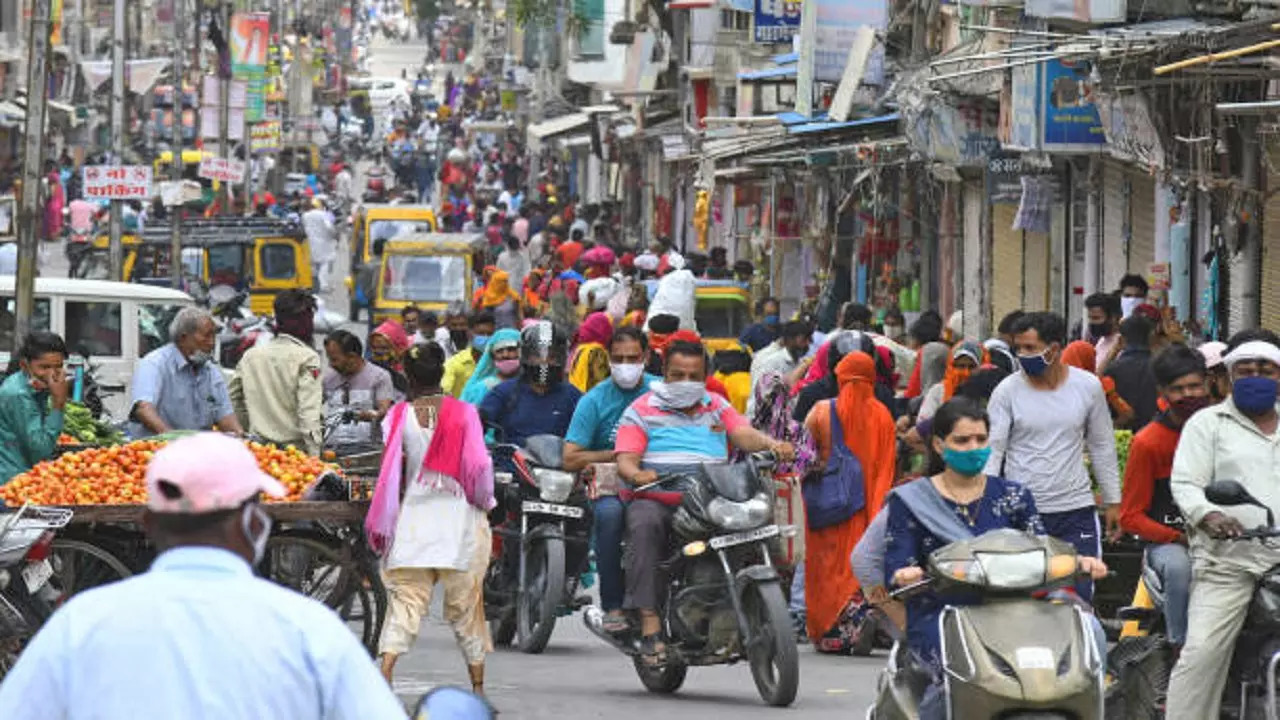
(778,73)
(557,126)
(70,110)
(817,126)
(786,58)
(690,4)
(11,113)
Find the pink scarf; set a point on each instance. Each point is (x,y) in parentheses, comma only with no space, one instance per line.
(456,451)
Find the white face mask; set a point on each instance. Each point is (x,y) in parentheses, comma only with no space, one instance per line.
(626,375)
(678,395)
(259,542)
(1129,304)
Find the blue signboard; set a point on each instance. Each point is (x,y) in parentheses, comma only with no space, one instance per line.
(1069,114)
(777,21)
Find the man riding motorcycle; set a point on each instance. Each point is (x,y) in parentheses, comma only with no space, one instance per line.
(674,428)
(539,401)
(1234,440)
(1146,506)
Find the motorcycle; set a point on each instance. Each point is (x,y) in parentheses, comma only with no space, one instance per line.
(541,526)
(724,601)
(1010,656)
(1140,665)
(27,597)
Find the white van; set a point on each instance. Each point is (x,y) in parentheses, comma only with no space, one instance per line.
(114,323)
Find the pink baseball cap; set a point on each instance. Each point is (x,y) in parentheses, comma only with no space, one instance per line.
(206,472)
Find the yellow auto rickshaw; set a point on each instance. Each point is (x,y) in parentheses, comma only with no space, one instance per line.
(427,270)
(387,223)
(260,256)
(722,309)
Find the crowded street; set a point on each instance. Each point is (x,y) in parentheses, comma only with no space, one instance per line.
(384,359)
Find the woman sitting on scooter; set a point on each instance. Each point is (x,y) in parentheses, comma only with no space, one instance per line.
(981,502)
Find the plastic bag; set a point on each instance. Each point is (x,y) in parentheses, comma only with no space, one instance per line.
(675,296)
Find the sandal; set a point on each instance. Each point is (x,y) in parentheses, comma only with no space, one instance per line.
(615,623)
(653,652)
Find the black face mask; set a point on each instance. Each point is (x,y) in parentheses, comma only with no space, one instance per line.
(1099,330)
(460,338)
(542,374)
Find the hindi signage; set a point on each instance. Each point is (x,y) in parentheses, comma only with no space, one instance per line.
(117,182)
(222,169)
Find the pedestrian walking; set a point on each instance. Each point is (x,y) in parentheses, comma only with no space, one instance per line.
(428,517)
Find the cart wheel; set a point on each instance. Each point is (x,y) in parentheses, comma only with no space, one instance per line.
(328,572)
(80,566)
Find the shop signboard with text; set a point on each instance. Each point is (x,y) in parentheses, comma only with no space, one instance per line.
(777,21)
(117,182)
(1052,107)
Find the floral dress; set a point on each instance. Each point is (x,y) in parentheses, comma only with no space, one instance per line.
(1004,504)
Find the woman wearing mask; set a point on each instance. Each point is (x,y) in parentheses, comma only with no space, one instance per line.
(499,299)
(500,362)
(957,495)
(32,400)
(589,364)
(855,424)
(387,345)
(965,357)
(428,517)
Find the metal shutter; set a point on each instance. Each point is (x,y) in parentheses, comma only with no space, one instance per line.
(1035,271)
(1270,289)
(1006,262)
(1113,256)
(1142,216)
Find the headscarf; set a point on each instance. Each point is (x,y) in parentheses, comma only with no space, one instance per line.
(1081,354)
(399,339)
(531,283)
(865,421)
(596,328)
(955,377)
(498,290)
(933,364)
(589,364)
(773,418)
(486,372)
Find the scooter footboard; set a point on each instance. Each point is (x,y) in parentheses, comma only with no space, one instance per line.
(1020,655)
(1272,664)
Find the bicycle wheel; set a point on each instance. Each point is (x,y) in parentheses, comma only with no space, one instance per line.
(326,571)
(79,565)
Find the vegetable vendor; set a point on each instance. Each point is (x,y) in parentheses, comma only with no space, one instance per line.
(32,401)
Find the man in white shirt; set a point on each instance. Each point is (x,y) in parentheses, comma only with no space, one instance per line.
(322,238)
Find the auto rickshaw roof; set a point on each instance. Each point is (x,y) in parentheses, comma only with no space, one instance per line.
(434,243)
(222,231)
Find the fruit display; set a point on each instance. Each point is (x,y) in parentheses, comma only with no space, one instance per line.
(1123,439)
(79,423)
(115,475)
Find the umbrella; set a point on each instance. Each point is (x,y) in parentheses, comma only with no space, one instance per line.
(599,255)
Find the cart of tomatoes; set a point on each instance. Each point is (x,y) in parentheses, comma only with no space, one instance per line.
(317,544)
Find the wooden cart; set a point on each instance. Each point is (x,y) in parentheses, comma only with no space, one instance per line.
(316,548)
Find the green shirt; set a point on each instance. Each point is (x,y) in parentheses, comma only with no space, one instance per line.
(28,428)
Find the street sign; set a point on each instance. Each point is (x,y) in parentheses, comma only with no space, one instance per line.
(222,169)
(117,182)
(265,136)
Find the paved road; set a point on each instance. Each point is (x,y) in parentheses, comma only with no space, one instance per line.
(580,677)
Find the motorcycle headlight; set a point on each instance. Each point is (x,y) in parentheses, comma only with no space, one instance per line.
(1001,571)
(553,485)
(739,515)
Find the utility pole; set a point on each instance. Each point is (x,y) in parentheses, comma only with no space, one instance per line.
(118,25)
(32,163)
(224,112)
(179,97)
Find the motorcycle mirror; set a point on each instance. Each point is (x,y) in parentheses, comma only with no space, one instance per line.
(1231,492)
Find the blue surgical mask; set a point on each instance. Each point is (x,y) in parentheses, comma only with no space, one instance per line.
(771,320)
(478,342)
(1034,365)
(1254,395)
(966,462)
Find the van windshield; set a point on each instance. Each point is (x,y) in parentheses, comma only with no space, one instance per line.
(425,278)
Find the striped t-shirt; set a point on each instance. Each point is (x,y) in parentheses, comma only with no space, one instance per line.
(676,441)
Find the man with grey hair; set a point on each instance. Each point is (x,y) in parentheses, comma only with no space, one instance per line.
(179,386)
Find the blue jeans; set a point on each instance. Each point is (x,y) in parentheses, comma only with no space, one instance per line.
(1081,529)
(1172,564)
(609,525)
(797,605)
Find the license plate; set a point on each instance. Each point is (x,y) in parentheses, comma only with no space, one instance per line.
(760,533)
(35,575)
(568,511)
